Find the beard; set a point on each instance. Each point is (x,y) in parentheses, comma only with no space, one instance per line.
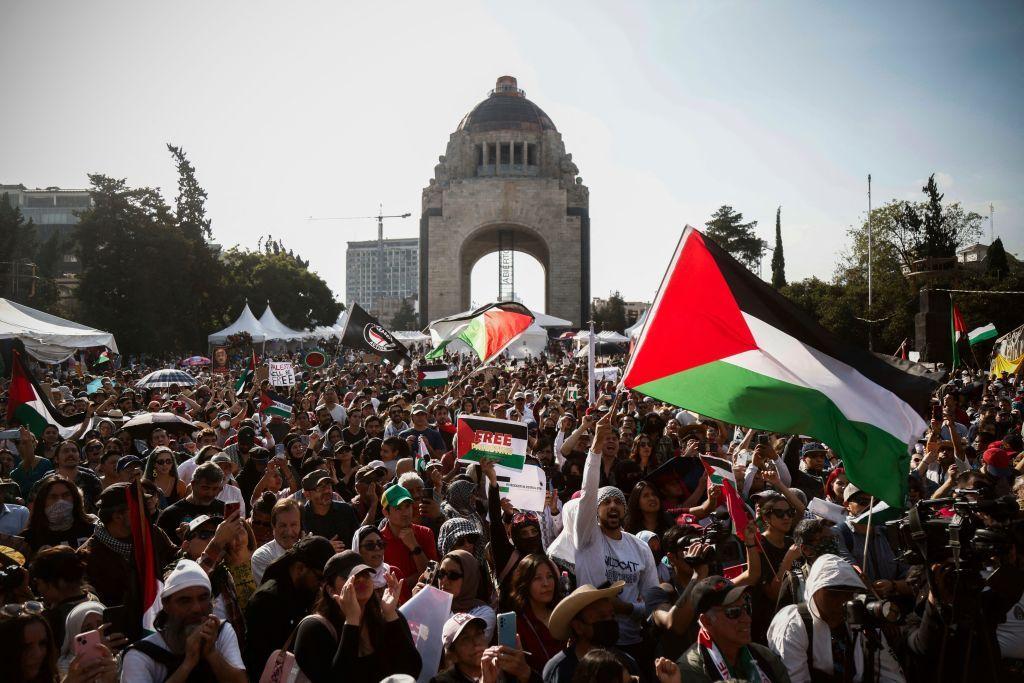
(176,632)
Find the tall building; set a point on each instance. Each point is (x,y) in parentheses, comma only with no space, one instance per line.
(53,211)
(401,275)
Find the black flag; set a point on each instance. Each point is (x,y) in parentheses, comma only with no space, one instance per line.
(363,332)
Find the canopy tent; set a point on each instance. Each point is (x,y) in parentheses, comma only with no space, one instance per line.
(277,330)
(246,322)
(635,329)
(329,331)
(409,337)
(549,321)
(530,344)
(612,337)
(48,338)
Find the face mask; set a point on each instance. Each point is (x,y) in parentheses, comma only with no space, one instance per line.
(826,546)
(606,633)
(224,424)
(59,515)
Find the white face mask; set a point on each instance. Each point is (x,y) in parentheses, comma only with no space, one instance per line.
(224,424)
(59,515)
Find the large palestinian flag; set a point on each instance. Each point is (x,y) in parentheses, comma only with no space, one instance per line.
(721,342)
(488,330)
(29,405)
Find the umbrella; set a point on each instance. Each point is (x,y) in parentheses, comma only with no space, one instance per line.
(159,379)
(143,425)
(196,360)
(566,336)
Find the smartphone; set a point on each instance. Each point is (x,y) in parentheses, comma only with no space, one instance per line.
(937,412)
(88,646)
(428,493)
(429,571)
(117,617)
(231,508)
(762,440)
(507,629)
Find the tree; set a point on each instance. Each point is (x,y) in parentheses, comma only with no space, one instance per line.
(300,297)
(190,204)
(996,264)
(610,315)
(405,317)
(778,258)
(926,229)
(727,228)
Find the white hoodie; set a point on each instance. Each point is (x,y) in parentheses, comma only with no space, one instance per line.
(787,636)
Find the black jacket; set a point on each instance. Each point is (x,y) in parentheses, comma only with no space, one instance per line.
(273,612)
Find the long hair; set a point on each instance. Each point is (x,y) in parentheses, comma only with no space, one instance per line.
(37,521)
(634,515)
(150,469)
(522,578)
(373,619)
(12,643)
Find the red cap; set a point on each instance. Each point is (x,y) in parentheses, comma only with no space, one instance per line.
(997,457)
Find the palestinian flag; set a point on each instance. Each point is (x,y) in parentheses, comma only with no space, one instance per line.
(103,358)
(488,330)
(245,380)
(145,563)
(503,441)
(720,473)
(721,342)
(28,404)
(275,405)
(981,334)
(433,375)
(957,333)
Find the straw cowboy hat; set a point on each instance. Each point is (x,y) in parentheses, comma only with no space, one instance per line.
(571,605)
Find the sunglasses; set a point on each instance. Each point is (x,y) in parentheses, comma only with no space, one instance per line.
(164,462)
(451,576)
(523,517)
(735,612)
(789,512)
(373,545)
(28,609)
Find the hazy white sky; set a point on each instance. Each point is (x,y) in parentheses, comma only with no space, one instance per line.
(670,109)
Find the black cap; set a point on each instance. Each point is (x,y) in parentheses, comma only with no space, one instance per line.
(114,496)
(714,591)
(202,520)
(247,430)
(314,479)
(259,454)
(345,564)
(312,551)
(126,461)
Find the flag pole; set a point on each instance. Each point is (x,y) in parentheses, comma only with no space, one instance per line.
(871,345)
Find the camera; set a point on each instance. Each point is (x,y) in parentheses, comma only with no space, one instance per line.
(864,612)
(721,548)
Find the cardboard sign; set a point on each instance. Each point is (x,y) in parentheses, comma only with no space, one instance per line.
(502,441)
(524,488)
(282,374)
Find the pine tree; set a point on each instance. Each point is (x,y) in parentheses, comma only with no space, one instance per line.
(778,258)
(405,317)
(190,204)
(995,260)
(727,228)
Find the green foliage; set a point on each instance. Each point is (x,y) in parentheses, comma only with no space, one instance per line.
(27,268)
(611,315)
(996,264)
(300,298)
(190,204)
(405,317)
(778,257)
(728,230)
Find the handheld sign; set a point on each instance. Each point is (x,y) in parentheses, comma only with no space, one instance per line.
(502,441)
(282,374)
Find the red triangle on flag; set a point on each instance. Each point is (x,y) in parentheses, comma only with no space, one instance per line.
(958,321)
(694,319)
(466,436)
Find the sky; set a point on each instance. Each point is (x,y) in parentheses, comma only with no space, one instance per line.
(670,109)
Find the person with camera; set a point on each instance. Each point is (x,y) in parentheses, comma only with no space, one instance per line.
(817,641)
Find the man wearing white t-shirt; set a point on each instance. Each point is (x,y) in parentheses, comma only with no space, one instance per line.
(189,643)
(605,553)
(286,522)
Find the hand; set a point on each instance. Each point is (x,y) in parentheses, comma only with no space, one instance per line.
(348,604)
(101,670)
(771,476)
(389,599)
(487,468)
(228,530)
(554,502)
(692,449)
(750,534)
(314,441)
(952,472)
(337,544)
(762,456)
(26,444)
(666,670)
(193,647)
(408,537)
(507,507)
(510,660)
(209,631)
(884,588)
(114,641)
(602,430)
(436,479)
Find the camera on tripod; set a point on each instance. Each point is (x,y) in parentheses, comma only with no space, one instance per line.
(862,611)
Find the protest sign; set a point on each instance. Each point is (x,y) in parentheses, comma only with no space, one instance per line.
(610,373)
(524,488)
(502,441)
(426,613)
(282,374)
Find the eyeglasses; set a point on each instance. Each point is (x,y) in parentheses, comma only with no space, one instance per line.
(524,517)
(735,612)
(778,512)
(451,576)
(373,545)
(31,608)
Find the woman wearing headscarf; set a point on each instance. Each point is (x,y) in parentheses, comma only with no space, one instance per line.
(86,616)
(370,545)
(458,502)
(459,574)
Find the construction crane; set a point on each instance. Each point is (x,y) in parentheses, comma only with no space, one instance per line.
(380,245)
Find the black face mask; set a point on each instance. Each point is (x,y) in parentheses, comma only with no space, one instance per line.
(605,633)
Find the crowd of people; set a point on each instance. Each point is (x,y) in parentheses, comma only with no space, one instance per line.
(285,544)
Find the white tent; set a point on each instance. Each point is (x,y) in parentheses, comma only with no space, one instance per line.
(410,337)
(612,337)
(48,338)
(544,320)
(246,322)
(277,330)
(531,343)
(635,329)
(329,331)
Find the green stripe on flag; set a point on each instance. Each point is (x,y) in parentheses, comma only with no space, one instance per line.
(981,334)
(724,391)
(27,415)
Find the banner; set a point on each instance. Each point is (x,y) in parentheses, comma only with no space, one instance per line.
(503,441)
(364,333)
(282,374)
(524,488)
(426,613)
(606,374)
(220,360)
